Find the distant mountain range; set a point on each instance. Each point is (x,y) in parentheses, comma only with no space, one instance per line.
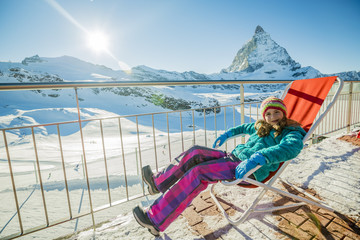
(260,58)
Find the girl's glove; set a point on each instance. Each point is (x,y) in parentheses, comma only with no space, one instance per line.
(220,140)
(245,166)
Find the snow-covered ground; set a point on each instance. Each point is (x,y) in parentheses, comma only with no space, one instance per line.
(329,167)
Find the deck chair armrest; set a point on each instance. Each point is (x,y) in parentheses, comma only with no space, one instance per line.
(236,136)
(237,181)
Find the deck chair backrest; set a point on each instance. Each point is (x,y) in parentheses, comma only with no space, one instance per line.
(305,97)
(303,100)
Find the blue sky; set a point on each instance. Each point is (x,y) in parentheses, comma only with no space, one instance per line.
(181,35)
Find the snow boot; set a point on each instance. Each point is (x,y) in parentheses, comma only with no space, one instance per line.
(147,176)
(142,218)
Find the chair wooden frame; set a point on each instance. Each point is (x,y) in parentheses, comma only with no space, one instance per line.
(269,185)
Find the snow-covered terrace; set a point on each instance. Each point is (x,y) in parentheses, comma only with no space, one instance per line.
(61,183)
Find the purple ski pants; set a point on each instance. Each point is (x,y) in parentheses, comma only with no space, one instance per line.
(185,178)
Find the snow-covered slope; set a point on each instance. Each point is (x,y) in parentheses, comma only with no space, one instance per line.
(65,67)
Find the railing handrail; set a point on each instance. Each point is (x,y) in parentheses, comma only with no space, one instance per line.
(65,85)
(94,84)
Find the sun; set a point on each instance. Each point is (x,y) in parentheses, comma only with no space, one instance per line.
(98,41)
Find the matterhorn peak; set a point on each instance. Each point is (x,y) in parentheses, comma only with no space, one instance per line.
(259,29)
(261,52)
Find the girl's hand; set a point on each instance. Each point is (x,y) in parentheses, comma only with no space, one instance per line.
(245,166)
(220,140)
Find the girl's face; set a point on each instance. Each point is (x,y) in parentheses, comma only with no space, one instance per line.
(273,116)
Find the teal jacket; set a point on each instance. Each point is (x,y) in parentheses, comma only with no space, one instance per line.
(284,147)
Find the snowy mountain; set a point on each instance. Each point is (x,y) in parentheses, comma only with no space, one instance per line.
(264,58)
(260,51)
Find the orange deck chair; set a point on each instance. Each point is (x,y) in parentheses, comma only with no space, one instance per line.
(303,99)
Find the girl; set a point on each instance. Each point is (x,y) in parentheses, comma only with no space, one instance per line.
(273,140)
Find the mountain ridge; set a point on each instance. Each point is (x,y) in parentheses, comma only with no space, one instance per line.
(259,58)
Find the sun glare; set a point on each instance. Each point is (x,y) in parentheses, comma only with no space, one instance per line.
(98,41)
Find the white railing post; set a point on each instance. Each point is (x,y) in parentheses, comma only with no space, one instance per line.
(348,125)
(84,154)
(242,102)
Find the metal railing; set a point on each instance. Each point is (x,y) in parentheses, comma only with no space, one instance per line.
(111,150)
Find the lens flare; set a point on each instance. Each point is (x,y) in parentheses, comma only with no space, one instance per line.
(98,41)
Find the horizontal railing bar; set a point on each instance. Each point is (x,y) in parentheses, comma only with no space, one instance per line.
(44,226)
(41,125)
(66,85)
